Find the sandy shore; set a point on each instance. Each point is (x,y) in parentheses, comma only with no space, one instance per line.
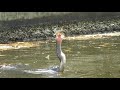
(93,36)
(19,45)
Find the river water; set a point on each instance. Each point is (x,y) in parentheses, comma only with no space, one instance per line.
(92,58)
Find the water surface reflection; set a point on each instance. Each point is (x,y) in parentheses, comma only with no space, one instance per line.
(93,58)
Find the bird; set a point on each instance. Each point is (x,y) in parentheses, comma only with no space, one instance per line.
(61,56)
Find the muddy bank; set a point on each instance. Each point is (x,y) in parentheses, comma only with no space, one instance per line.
(44,28)
(20,45)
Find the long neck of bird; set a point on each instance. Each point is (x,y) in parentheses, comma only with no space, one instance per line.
(58,44)
(60,53)
(58,48)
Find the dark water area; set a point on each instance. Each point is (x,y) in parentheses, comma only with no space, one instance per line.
(93,58)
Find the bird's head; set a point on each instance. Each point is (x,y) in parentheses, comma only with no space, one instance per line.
(59,37)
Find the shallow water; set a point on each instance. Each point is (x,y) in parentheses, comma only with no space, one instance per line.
(92,58)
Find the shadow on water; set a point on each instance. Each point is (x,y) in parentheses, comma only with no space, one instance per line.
(94,58)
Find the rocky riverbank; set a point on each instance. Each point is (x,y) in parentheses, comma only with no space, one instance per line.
(39,29)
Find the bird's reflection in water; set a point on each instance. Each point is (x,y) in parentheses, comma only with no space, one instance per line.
(20,68)
(50,72)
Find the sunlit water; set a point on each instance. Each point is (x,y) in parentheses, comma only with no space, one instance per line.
(93,58)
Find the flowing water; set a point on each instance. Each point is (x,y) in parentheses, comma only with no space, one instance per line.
(92,58)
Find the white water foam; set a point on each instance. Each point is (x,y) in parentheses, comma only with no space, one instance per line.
(7,67)
(51,70)
(41,71)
